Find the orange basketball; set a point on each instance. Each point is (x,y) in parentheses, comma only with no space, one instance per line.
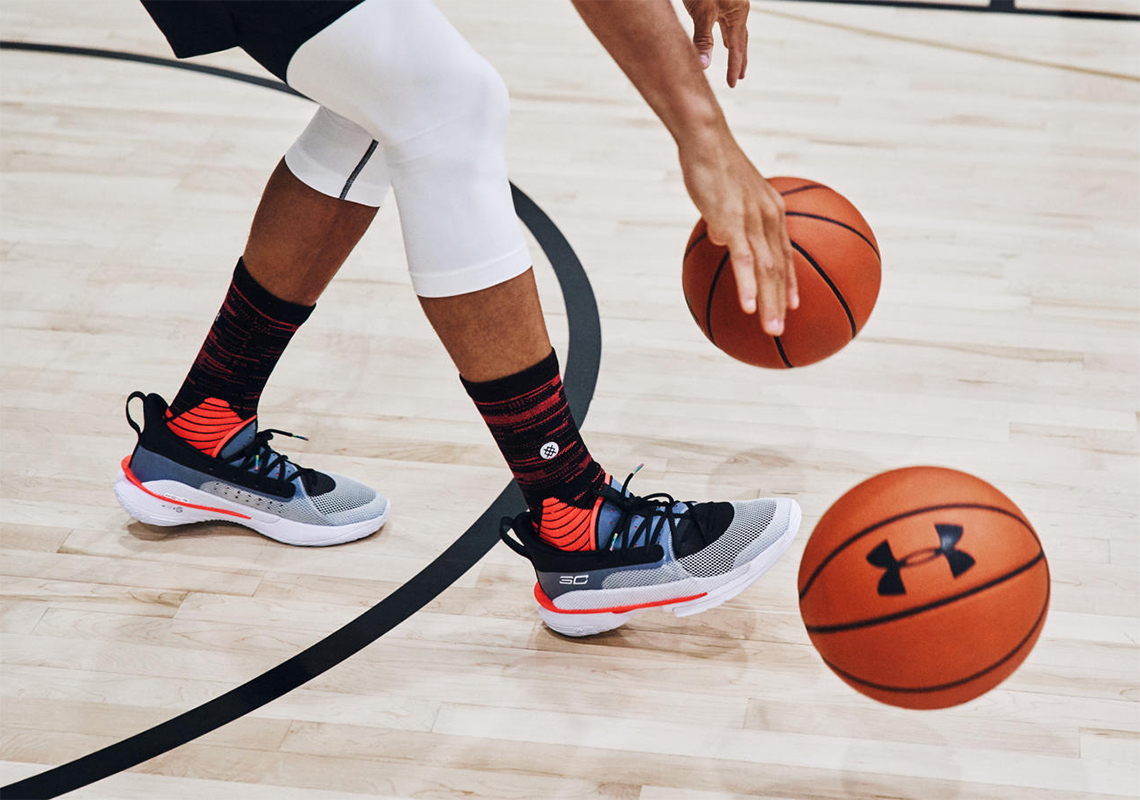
(923,587)
(837,270)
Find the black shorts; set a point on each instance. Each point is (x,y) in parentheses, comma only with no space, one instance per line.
(269,30)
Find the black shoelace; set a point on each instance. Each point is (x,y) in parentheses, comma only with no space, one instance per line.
(653,507)
(261,459)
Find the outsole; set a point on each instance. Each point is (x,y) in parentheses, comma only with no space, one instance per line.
(579,624)
(160,509)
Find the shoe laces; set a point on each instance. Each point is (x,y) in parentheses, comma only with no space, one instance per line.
(261,459)
(657,512)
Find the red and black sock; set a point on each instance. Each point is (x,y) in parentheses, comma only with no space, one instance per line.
(221,392)
(530,420)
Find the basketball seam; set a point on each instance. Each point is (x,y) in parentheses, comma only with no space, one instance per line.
(712,292)
(696,241)
(912,513)
(803,189)
(783,356)
(840,224)
(834,288)
(910,612)
(960,682)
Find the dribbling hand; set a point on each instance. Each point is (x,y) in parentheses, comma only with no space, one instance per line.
(745,214)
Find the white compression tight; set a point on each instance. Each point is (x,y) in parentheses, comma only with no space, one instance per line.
(406,102)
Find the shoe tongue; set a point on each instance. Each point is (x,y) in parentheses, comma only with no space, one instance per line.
(239,440)
(610,515)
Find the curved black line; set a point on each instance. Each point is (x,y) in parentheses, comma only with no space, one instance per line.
(912,513)
(943,601)
(834,288)
(783,355)
(118,55)
(840,224)
(941,686)
(712,291)
(803,188)
(582,363)
(692,246)
(995,7)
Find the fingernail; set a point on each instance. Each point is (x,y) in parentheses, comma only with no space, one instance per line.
(775,327)
(705,60)
(750,306)
(795,302)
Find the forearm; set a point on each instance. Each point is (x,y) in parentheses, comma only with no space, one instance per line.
(647,41)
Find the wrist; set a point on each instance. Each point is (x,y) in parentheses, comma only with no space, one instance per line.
(705,143)
(701,127)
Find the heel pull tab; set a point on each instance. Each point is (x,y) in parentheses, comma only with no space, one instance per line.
(130,419)
(507,524)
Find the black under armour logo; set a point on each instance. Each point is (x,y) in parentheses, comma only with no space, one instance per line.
(948,536)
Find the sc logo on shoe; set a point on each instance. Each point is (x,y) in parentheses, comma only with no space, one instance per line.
(573,580)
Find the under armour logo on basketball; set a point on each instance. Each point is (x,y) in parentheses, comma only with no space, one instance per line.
(948,536)
(548,450)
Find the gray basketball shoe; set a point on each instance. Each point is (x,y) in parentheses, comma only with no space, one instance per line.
(653,552)
(166,481)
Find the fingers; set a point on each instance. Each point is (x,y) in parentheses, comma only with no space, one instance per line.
(771,281)
(735,37)
(789,261)
(744,269)
(744,66)
(762,263)
(775,272)
(704,15)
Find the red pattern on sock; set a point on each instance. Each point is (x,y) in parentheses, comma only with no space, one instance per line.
(248,336)
(530,419)
(207,426)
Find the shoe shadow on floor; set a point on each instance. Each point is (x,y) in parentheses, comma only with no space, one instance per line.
(193,530)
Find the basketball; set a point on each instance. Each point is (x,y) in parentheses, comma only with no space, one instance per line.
(837,270)
(923,587)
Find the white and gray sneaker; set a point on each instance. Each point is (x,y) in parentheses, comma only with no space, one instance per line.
(166,481)
(652,552)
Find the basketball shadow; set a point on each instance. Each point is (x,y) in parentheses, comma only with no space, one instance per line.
(858,782)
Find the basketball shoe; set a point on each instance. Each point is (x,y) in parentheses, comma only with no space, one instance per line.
(167,481)
(652,552)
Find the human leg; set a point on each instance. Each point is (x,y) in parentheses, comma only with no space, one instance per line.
(439,114)
(203,457)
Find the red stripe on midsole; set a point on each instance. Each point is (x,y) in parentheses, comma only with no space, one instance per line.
(131,477)
(548,604)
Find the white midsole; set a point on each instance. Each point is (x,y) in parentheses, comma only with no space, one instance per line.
(175,505)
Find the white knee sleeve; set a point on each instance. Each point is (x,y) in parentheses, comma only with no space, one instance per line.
(396,71)
(339,158)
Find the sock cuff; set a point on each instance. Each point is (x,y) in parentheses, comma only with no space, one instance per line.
(267,303)
(513,385)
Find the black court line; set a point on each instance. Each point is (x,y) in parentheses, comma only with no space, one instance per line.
(582,363)
(994,7)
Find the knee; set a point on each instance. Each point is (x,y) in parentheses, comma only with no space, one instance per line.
(467,125)
(489,115)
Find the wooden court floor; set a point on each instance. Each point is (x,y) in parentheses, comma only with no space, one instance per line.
(996,158)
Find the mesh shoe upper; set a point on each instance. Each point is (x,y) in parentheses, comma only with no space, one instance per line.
(250,472)
(651,540)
